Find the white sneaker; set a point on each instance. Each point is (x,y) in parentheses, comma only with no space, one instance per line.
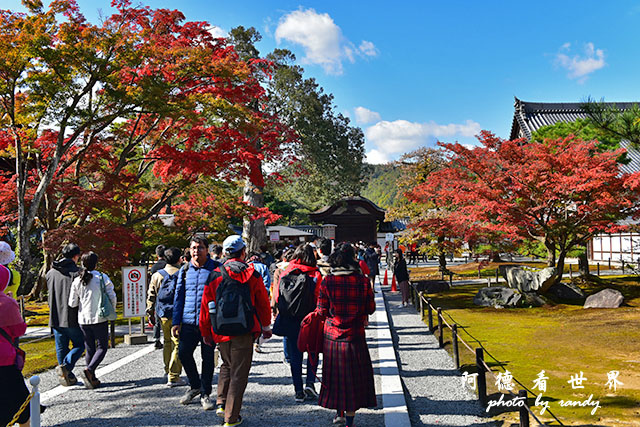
(177,383)
(338,420)
(206,402)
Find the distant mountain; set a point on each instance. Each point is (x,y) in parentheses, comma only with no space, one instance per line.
(381,185)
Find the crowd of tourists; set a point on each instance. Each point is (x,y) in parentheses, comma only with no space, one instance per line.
(227,302)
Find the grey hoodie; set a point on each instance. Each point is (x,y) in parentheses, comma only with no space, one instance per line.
(59,280)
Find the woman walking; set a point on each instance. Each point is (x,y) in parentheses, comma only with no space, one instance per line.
(345,299)
(86,294)
(303,262)
(13,391)
(402,276)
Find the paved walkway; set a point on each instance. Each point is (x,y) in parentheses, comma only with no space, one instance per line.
(134,391)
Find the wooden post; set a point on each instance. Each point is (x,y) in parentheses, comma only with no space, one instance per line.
(488,282)
(112,332)
(524,414)
(450,280)
(454,339)
(420,306)
(482,379)
(609,263)
(598,267)
(440,328)
(466,259)
(571,271)
(430,314)
(497,275)
(622,267)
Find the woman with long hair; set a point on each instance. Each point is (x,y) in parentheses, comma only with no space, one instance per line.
(402,275)
(86,294)
(345,299)
(303,262)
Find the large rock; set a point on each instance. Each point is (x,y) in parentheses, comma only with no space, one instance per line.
(532,299)
(526,280)
(567,291)
(497,296)
(606,298)
(431,286)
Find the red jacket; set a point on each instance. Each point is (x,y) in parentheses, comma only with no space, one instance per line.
(312,272)
(244,273)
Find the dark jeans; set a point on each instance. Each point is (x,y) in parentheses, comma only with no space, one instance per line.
(189,339)
(286,349)
(62,336)
(296,364)
(92,333)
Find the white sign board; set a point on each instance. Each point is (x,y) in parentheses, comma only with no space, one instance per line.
(134,291)
(389,237)
(274,236)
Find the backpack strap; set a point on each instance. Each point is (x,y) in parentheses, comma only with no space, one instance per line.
(163,272)
(8,338)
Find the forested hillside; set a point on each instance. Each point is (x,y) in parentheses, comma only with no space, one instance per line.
(381,187)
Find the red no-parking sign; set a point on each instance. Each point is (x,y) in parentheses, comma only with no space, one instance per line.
(134,291)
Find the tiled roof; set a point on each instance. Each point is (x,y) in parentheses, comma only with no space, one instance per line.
(531,116)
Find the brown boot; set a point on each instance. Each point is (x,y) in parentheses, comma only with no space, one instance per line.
(63,375)
(89,379)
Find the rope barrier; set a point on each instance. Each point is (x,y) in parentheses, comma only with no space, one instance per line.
(488,369)
(21,410)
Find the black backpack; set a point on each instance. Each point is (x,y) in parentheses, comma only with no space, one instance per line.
(232,313)
(166,292)
(297,294)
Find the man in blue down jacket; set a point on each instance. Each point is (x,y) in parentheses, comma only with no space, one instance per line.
(186,314)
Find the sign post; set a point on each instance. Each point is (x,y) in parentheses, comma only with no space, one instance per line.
(134,298)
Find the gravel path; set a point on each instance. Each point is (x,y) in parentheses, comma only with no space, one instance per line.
(433,387)
(135,394)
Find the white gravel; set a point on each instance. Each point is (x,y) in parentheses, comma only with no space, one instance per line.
(433,387)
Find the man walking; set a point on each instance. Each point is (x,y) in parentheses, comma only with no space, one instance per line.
(160,299)
(229,284)
(192,280)
(62,318)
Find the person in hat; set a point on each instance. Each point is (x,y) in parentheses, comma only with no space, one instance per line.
(6,257)
(236,351)
(13,391)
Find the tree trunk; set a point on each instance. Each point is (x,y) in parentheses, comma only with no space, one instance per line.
(551,253)
(583,264)
(495,257)
(560,266)
(254,232)
(442,259)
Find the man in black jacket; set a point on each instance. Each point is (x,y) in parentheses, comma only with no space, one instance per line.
(62,318)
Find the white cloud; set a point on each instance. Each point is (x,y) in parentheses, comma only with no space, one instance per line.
(217,32)
(321,39)
(390,139)
(368,49)
(580,67)
(364,115)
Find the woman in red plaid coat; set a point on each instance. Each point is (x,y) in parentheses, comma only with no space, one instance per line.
(346,299)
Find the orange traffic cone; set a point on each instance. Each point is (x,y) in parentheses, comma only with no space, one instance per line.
(394,288)
(386,280)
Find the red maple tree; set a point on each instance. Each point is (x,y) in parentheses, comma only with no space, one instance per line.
(561,192)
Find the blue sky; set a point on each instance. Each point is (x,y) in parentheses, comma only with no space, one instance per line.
(415,72)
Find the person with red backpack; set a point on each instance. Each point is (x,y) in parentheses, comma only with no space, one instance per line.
(297,296)
(345,299)
(235,310)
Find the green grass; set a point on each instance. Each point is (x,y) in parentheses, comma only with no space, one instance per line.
(41,355)
(562,340)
